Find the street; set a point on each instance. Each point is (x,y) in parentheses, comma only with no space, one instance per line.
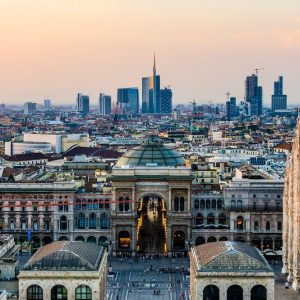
(149,279)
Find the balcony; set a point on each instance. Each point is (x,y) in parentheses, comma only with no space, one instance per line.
(254,208)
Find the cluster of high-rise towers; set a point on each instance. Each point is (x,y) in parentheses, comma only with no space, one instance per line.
(154,99)
(253,101)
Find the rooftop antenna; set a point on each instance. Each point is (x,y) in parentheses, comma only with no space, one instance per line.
(227,94)
(258,69)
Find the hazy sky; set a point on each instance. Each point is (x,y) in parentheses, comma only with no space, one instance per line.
(56,48)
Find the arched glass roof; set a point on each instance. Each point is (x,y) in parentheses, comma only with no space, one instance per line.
(151,153)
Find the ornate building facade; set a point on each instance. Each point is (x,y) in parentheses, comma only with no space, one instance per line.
(291,214)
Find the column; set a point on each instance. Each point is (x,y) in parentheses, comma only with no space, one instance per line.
(189,199)
(133,199)
(170,200)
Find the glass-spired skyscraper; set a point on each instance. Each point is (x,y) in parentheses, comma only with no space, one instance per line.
(253,95)
(279,100)
(151,93)
(128,100)
(104,104)
(83,104)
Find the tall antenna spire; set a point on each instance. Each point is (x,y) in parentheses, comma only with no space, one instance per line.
(154,65)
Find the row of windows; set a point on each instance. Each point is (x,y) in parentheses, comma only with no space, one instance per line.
(92,204)
(258,292)
(35,225)
(254,196)
(208,204)
(59,292)
(43,196)
(92,222)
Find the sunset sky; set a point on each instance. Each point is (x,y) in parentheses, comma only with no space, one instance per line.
(56,48)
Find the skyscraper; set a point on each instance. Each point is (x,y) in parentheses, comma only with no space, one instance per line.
(279,100)
(166,101)
(104,104)
(29,108)
(151,93)
(128,100)
(47,103)
(231,108)
(253,95)
(83,103)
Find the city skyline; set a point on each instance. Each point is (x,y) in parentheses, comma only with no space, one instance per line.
(196,49)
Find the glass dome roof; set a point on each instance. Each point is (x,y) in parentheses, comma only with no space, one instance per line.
(151,153)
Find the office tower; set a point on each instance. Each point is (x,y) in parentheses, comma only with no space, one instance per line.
(47,103)
(128,100)
(166,101)
(279,100)
(231,108)
(83,104)
(104,104)
(151,93)
(253,95)
(29,108)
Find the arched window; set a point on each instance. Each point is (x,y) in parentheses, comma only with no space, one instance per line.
(60,206)
(121,204)
(95,204)
(106,203)
(219,204)
(239,204)
(92,221)
(34,292)
(199,219)
(91,239)
(103,241)
(80,239)
(83,292)
(258,292)
(235,292)
(78,204)
(211,292)
(126,204)
(222,219)
(81,221)
(90,204)
(199,241)
(223,239)
(176,204)
(12,225)
(210,219)
(59,292)
(35,225)
(196,204)
(202,204)
(279,226)
(104,221)
(214,204)
(211,239)
(240,223)
(233,204)
(268,225)
(63,224)
(208,204)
